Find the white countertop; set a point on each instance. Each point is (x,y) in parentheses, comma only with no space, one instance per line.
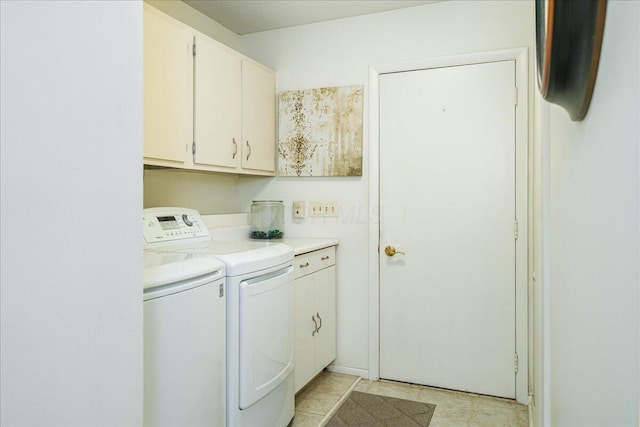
(235,227)
(302,245)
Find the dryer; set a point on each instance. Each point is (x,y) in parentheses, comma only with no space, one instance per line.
(260,333)
(259,321)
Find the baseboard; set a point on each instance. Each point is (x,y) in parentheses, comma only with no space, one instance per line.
(532,407)
(362,373)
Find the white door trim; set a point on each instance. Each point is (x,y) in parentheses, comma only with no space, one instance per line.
(520,55)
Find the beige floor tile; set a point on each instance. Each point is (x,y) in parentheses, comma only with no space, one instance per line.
(393,389)
(523,416)
(331,382)
(306,419)
(501,420)
(317,402)
(363,385)
(452,408)
(322,394)
(441,421)
(446,399)
(457,413)
(489,411)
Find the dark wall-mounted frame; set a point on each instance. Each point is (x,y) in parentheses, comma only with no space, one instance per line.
(568,41)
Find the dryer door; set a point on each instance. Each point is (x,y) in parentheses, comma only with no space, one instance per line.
(266,334)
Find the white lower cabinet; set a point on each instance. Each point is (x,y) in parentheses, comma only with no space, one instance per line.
(315,314)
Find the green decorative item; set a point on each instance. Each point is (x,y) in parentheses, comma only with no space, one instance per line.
(271,234)
(267,219)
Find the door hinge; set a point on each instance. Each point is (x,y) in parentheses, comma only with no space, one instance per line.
(193,148)
(515,93)
(515,363)
(193,48)
(515,229)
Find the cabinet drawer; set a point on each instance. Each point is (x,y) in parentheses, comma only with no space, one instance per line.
(313,261)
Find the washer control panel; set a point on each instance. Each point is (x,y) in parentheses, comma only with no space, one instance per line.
(176,225)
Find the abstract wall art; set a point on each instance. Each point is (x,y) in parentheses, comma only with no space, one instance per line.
(320,132)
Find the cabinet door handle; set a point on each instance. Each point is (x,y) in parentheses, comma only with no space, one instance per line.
(324,258)
(249,147)
(306,264)
(315,329)
(235,148)
(319,318)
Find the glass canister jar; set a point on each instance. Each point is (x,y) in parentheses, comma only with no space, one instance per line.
(267,219)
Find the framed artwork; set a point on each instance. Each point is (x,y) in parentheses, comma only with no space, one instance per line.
(568,41)
(320,132)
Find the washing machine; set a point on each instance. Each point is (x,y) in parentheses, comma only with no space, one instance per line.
(259,320)
(184,340)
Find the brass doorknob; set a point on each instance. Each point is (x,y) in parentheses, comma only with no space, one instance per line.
(391,251)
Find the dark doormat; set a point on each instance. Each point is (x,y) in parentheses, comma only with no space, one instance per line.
(364,409)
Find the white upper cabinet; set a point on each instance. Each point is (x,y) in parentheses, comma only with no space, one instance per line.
(167,88)
(258,117)
(207,107)
(217,112)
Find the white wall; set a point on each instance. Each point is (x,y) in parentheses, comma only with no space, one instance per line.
(340,53)
(594,220)
(206,192)
(71,185)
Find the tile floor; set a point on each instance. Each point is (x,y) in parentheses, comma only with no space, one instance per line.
(316,402)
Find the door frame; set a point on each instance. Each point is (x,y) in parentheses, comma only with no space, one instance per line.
(520,56)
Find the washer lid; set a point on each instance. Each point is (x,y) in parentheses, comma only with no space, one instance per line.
(164,267)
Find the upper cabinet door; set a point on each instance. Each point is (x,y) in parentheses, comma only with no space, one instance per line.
(258,117)
(217,98)
(167,88)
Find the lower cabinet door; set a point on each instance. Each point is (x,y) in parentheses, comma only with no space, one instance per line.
(325,297)
(305,327)
(315,324)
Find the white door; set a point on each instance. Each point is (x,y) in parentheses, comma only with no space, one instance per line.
(447,200)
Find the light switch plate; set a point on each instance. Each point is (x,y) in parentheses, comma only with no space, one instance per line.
(323,209)
(298,209)
(331,209)
(315,209)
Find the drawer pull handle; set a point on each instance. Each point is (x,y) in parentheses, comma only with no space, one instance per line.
(319,318)
(235,148)
(316,329)
(324,258)
(304,265)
